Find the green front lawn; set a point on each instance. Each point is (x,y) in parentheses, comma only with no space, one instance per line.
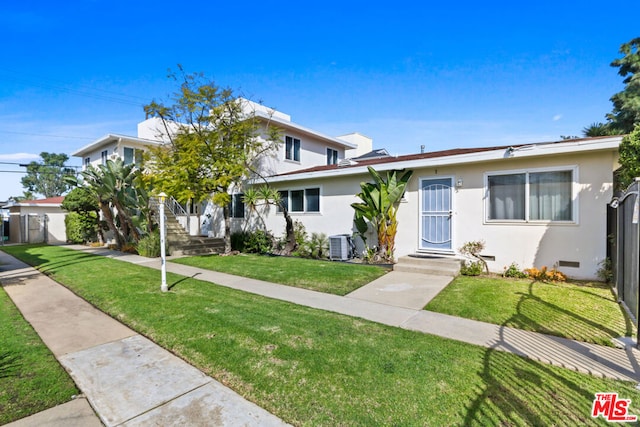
(31,379)
(312,367)
(324,276)
(580,311)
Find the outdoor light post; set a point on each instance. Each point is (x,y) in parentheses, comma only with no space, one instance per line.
(163,269)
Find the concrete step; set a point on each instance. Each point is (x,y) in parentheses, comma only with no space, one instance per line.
(195,245)
(195,252)
(428,264)
(193,240)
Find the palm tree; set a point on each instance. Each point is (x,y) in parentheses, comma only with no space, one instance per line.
(599,129)
(112,186)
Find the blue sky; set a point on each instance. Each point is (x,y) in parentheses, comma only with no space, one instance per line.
(406,73)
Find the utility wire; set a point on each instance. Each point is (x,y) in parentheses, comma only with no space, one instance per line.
(101,94)
(47,135)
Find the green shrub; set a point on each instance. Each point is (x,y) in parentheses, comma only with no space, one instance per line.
(238,240)
(317,246)
(81,228)
(149,245)
(300,232)
(472,268)
(514,271)
(259,242)
(605,271)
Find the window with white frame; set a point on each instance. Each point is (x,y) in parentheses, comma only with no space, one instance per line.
(535,195)
(292,148)
(302,200)
(332,156)
(86,162)
(132,155)
(104,155)
(236,206)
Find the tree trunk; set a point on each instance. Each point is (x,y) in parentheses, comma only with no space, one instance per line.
(291,245)
(108,218)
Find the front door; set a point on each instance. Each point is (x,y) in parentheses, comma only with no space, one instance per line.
(435,214)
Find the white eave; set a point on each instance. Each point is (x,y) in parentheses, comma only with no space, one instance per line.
(288,125)
(110,138)
(524,151)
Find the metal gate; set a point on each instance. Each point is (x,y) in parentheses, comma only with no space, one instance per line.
(624,250)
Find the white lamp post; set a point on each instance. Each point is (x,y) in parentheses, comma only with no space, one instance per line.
(163,269)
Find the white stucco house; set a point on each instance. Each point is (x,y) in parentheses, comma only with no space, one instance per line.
(300,148)
(536,205)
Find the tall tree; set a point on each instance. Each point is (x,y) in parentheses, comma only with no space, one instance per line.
(599,129)
(215,140)
(114,187)
(626,103)
(48,177)
(629,159)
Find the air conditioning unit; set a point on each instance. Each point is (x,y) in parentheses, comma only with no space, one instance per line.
(340,247)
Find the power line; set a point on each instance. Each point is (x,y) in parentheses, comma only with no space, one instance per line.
(44,134)
(120,98)
(41,165)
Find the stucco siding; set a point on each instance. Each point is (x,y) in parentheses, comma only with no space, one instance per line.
(529,244)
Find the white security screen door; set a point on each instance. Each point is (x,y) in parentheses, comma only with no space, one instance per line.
(435,214)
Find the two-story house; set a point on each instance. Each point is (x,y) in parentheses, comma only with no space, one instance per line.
(300,148)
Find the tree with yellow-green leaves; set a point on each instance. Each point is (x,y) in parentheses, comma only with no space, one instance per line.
(214,143)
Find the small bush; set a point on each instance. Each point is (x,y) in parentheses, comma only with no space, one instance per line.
(149,245)
(472,268)
(370,255)
(514,271)
(472,250)
(81,228)
(300,232)
(545,275)
(605,271)
(259,242)
(317,246)
(238,240)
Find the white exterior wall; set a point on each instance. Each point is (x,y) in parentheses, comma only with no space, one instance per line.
(114,149)
(364,144)
(55,223)
(527,244)
(95,156)
(313,152)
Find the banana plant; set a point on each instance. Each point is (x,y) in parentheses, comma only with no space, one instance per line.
(379,207)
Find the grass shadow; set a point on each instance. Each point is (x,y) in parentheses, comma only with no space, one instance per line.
(508,386)
(508,389)
(570,324)
(9,364)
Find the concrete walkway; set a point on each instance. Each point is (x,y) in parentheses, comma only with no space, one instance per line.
(127,379)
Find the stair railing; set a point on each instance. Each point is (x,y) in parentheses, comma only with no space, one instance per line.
(175,208)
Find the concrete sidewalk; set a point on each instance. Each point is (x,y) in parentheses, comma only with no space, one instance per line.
(127,379)
(372,302)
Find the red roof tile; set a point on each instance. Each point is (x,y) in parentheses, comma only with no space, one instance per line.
(50,201)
